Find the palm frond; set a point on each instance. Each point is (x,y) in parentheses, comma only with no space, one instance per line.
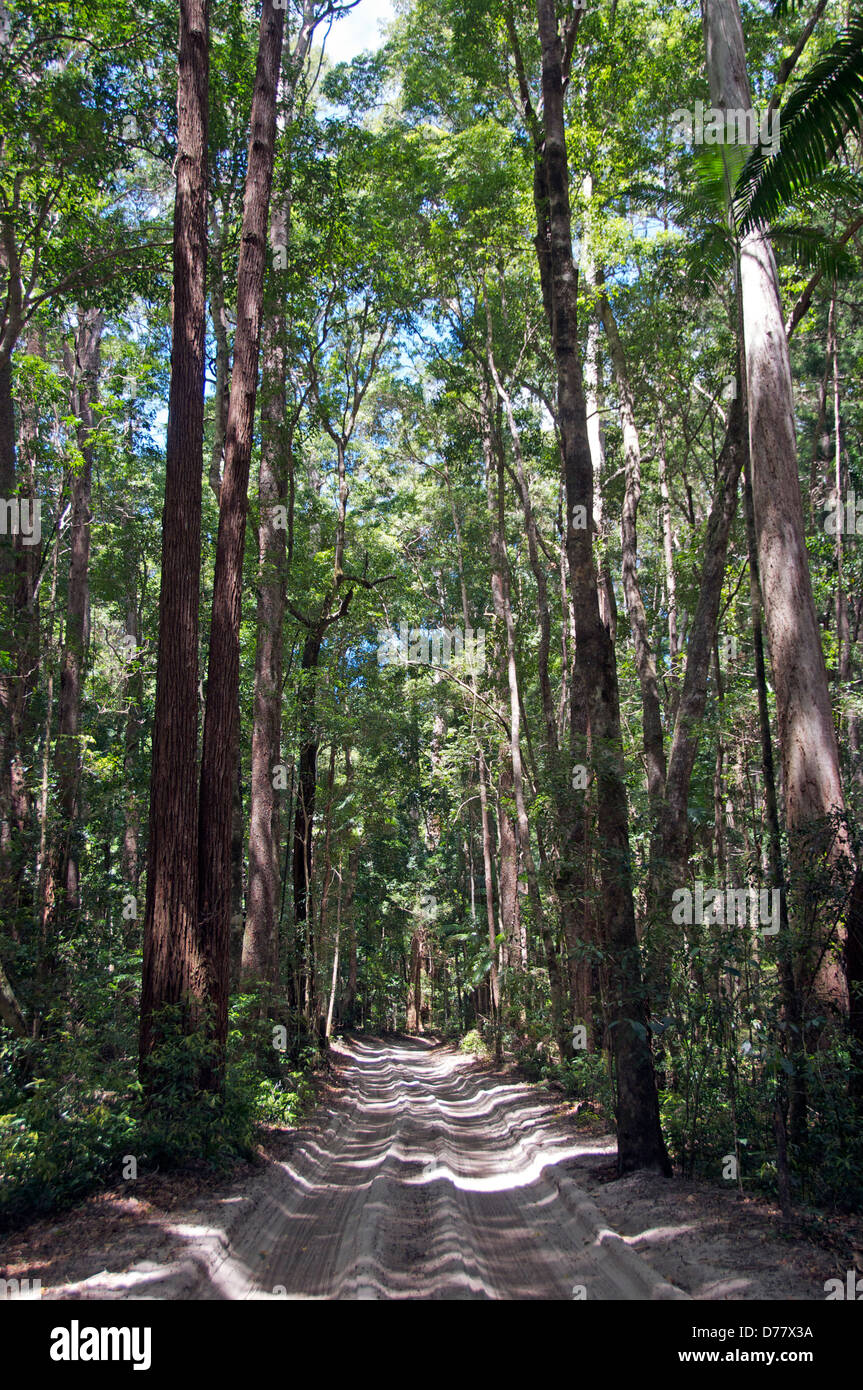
(717,169)
(835,185)
(685,205)
(813,123)
(812,250)
(709,260)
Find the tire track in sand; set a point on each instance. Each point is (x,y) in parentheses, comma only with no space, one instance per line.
(431,1181)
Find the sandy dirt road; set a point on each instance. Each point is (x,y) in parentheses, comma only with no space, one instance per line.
(425,1179)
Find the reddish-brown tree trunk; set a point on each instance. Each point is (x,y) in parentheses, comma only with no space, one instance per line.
(171,969)
(219,754)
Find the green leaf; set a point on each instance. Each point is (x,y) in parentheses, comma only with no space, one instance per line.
(823,109)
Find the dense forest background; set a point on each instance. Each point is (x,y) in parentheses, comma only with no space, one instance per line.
(463,633)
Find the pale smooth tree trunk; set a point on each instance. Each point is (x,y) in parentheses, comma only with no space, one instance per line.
(260,943)
(812,785)
(335,976)
(654,750)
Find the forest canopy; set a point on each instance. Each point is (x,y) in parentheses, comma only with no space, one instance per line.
(430,571)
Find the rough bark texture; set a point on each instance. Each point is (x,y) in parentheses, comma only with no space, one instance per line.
(62,884)
(20,631)
(219,754)
(219,316)
(640,1142)
(171,972)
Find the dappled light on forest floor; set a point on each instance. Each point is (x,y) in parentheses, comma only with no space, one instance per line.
(427,1179)
(425,1176)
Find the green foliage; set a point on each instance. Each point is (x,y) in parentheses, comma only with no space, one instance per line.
(68,1129)
(182,1122)
(410,262)
(474,1043)
(815,120)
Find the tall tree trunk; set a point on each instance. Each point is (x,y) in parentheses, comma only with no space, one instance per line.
(493,448)
(25,650)
(8,634)
(219,753)
(260,945)
(654,749)
(350,1003)
(670,583)
(413,1020)
(219,316)
(791,1002)
(488,879)
(62,890)
(335,976)
(843,630)
(702,637)
(327,874)
(134,693)
(238,876)
(814,799)
(640,1142)
(42,858)
(171,968)
(498,956)
(304,942)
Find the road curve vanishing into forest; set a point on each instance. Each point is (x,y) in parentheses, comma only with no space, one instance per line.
(426,1178)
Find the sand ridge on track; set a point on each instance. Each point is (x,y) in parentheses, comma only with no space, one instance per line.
(426,1179)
